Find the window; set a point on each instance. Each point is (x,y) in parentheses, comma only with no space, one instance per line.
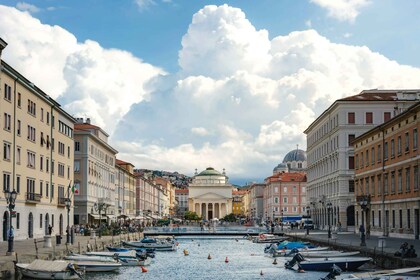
(379,218)
(367,157)
(372,155)
(285,189)
(385,150)
(47,165)
(379,153)
(31,133)
(407,180)
(47,189)
(351,138)
(18,128)
(61,148)
(42,114)
(41,163)
(18,184)
(19,100)
(6,182)
(400,218)
(387,116)
(31,108)
(48,117)
(7,92)
(393,182)
(408,218)
(379,181)
(386,185)
(400,181)
(7,121)
(416,177)
(373,218)
(399,148)
(351,118)
(285,199)
(369,117)
(77,169)
(6,151)
(351,162)
(77,146)
(276,189)
(407,142)
(393,218)
(18,155)
(392,148)
(31,159)
(351,185)
(41,187)
(40,221)
(17,220)
(415,138)
(276,200)
(61,170)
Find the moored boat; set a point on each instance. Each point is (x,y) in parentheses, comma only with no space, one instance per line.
(129,258)
(313,253)
(268,238)
(287,252)
(158,246)
(388,274)
(43,269)
(326,264)
(92,266)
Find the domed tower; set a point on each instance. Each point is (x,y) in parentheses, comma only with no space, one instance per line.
(295,160)
(281,168)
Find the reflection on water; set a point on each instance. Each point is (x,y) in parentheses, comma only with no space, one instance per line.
(246,260)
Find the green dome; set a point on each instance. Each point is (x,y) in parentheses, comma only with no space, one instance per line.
(209,172)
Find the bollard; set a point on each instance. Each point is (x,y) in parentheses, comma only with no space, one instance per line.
(103,246)
(36,249)
(96,246)
(79,246)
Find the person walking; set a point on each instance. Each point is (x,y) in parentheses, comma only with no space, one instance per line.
(50,230)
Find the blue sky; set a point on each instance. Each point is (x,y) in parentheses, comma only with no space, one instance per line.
(185,84)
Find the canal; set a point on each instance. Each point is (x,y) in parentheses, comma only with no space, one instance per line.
(246,260)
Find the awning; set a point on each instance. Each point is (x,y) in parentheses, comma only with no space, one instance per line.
(96,216)
(122,216)
(111,216)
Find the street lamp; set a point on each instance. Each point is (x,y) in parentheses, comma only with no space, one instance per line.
(10,199)
(68,204)
(363,202)
(273,215)
(329,207)
(307,215)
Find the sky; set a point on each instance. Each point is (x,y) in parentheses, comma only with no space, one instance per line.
(181,85)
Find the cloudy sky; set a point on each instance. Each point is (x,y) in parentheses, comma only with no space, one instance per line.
(182,84)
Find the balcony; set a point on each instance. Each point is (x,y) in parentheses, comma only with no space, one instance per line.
(33,197)
(61,201)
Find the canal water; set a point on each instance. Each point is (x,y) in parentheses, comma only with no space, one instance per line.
(246,260)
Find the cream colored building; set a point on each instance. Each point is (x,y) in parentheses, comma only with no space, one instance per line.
(37,156)
(125,190)
(210,194)
(94,174)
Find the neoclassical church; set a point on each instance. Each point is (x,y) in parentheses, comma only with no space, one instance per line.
(210,194)
(294,161)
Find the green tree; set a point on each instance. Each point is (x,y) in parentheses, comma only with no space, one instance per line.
(192,216)
(229,218)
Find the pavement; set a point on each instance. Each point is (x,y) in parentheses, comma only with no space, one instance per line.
(28,250)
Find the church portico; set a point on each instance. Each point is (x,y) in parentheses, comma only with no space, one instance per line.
(210,195)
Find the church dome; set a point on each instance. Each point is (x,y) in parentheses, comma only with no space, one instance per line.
(282,167)
(210,171)
(295,155)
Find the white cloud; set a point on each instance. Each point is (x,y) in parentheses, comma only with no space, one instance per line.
(144,4)
(343,10)
(27,7)
(308,23)
(347,35)
(240,101)
(85,78)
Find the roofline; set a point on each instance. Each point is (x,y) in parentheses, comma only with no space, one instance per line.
(381,127)
(33,88)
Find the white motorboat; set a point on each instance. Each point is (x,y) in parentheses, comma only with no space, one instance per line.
(42,269)
(92,266)
(81,257)
(325,254)
(268,238)
(388,274)
(290,252)
(129,258)
(158,246)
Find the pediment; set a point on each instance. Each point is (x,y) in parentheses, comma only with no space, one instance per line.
(210,195)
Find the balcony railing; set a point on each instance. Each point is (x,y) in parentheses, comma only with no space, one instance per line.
(33,197)
(61,201)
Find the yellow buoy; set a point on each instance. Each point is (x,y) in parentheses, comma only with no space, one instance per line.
(186,253)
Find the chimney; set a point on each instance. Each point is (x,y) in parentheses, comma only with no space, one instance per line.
(88,120)
(79,120)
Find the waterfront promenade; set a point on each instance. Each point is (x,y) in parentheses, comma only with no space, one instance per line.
(383,257)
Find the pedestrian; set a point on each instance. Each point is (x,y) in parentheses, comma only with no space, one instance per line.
(362,229)
(50,230)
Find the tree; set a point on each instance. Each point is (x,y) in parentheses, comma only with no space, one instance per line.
(192,216)
(229,218)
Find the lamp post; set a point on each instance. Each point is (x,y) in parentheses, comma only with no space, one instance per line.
(307,214)
(10,199)
(68,204)
(273,215)
(329,207)
(363,202)
(282,212)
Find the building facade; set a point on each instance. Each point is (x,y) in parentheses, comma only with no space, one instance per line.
(210,194)
(125,191)
(182,199)
(387,179)
(94,174)
(330,154)
(37,157)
